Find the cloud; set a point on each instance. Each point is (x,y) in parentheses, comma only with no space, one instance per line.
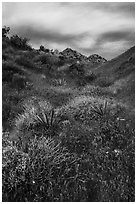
(117,36)
(45,34)
(48,37)
(88,27)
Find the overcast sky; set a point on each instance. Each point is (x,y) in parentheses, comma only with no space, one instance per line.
(104,28)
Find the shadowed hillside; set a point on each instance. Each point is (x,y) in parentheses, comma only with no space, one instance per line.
(118,75)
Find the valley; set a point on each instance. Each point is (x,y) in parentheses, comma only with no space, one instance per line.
(68,125)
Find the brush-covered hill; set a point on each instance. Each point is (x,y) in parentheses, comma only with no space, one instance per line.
(28,71)
(68,131)
(118,75)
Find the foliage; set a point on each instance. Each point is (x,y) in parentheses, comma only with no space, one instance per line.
(5,31)
(20,43)
(38,175)
(42,48)
(104,81)
(9,69)
(64,143)
(47,59)
(90,77)
(24,60)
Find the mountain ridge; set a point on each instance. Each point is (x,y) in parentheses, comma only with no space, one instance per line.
(93,58)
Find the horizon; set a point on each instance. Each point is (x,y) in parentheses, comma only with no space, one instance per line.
(87,27)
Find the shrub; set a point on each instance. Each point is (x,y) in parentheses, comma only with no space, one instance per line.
(5,31)
(114,162)
(38,118)
(104,81)
(10,105)
(47,59)
(9,68)
(38,175)
(109,147)
(25,61)
(20,43)
(100,167)
(90,78)
(48,172)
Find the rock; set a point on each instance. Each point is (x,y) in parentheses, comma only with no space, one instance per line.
(73,54)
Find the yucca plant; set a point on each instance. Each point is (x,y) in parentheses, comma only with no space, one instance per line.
(38,118)
(101,109)
(47,119)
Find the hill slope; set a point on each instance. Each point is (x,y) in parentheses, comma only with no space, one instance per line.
(67,136)
(118,75)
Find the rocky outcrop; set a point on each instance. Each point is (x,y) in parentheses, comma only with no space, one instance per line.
(96,59)
(73,54)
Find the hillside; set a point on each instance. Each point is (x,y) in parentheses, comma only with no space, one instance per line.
(68,125)
(73,54)
(119,75)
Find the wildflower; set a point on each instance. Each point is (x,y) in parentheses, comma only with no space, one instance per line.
(117,152)
(122,119)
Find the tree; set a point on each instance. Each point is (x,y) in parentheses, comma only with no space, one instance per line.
(19,42)
(42,48)
(5,31)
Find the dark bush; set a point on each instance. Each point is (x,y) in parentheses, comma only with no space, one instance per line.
(20,43)
(47,59)
(25,61)
(8,69)
(104,81)
(5,31)
(90,77)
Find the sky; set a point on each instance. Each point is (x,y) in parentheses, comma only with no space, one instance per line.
(104,28)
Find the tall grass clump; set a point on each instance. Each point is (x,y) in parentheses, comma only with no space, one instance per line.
(109,144)
(47,172)
(37,118)
(43,174)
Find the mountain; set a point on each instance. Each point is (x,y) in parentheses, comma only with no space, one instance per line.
(73,54)
(96,59)
(69,53)
(118,75)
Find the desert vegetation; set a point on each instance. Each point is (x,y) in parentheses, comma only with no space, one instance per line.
(67,136)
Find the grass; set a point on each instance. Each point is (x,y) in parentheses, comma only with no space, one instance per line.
(39,174)
(74,165)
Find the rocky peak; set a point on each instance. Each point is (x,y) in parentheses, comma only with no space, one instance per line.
(95,58)
(73,54)
(68,52)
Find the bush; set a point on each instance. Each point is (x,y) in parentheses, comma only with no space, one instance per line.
(9,68)
(48,172)
(20,43)
(38,118)
(25,61)
(104,81)
(114,162)
(100,167)
(39,174)
(90,78)
(5,31)
(10,105)
(107,144)
(47,59)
